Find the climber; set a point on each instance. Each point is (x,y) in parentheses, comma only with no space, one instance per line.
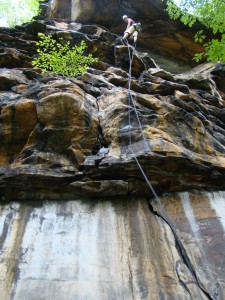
(132,29)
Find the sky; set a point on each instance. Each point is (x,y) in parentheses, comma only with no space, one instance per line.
(13,4)
(3,22)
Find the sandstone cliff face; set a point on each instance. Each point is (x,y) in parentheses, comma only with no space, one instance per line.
(76,131)
(168,40)
(68,139)
(113,249)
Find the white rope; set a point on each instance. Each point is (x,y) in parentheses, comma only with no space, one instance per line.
(131,101)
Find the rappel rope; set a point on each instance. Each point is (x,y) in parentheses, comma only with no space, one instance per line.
(164,215)
(131,106)
(131,99)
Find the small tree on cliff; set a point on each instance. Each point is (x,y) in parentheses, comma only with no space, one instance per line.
(61,59)
(15,12)
(211,15)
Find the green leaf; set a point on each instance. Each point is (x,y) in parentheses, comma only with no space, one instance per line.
(61,59)
(211,15)
(20,11)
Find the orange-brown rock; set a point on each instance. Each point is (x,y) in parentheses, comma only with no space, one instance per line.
(67,127)
(161,36)
(179,141)
(87,138)
(17,121)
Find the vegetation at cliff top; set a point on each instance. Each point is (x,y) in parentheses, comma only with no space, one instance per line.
(211,14)
(16,12)
(61,58)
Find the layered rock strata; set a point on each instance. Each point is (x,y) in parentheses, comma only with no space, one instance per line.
(161,35)
(71,139)
(62,137)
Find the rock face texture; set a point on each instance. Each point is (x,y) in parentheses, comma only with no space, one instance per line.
(74,134)
(83,140)
(114,249)
(162,36)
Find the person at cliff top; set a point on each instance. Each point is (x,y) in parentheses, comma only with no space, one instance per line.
(132,29)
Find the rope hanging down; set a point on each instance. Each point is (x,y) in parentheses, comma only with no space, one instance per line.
(131,107)
(163,213)
(131,99)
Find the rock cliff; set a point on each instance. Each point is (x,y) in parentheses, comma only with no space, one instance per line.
(72,134)
(119,249)
(167,40)
(79,140)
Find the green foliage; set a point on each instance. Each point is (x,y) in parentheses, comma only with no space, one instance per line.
(211,14)
(61,59)
(19,11)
